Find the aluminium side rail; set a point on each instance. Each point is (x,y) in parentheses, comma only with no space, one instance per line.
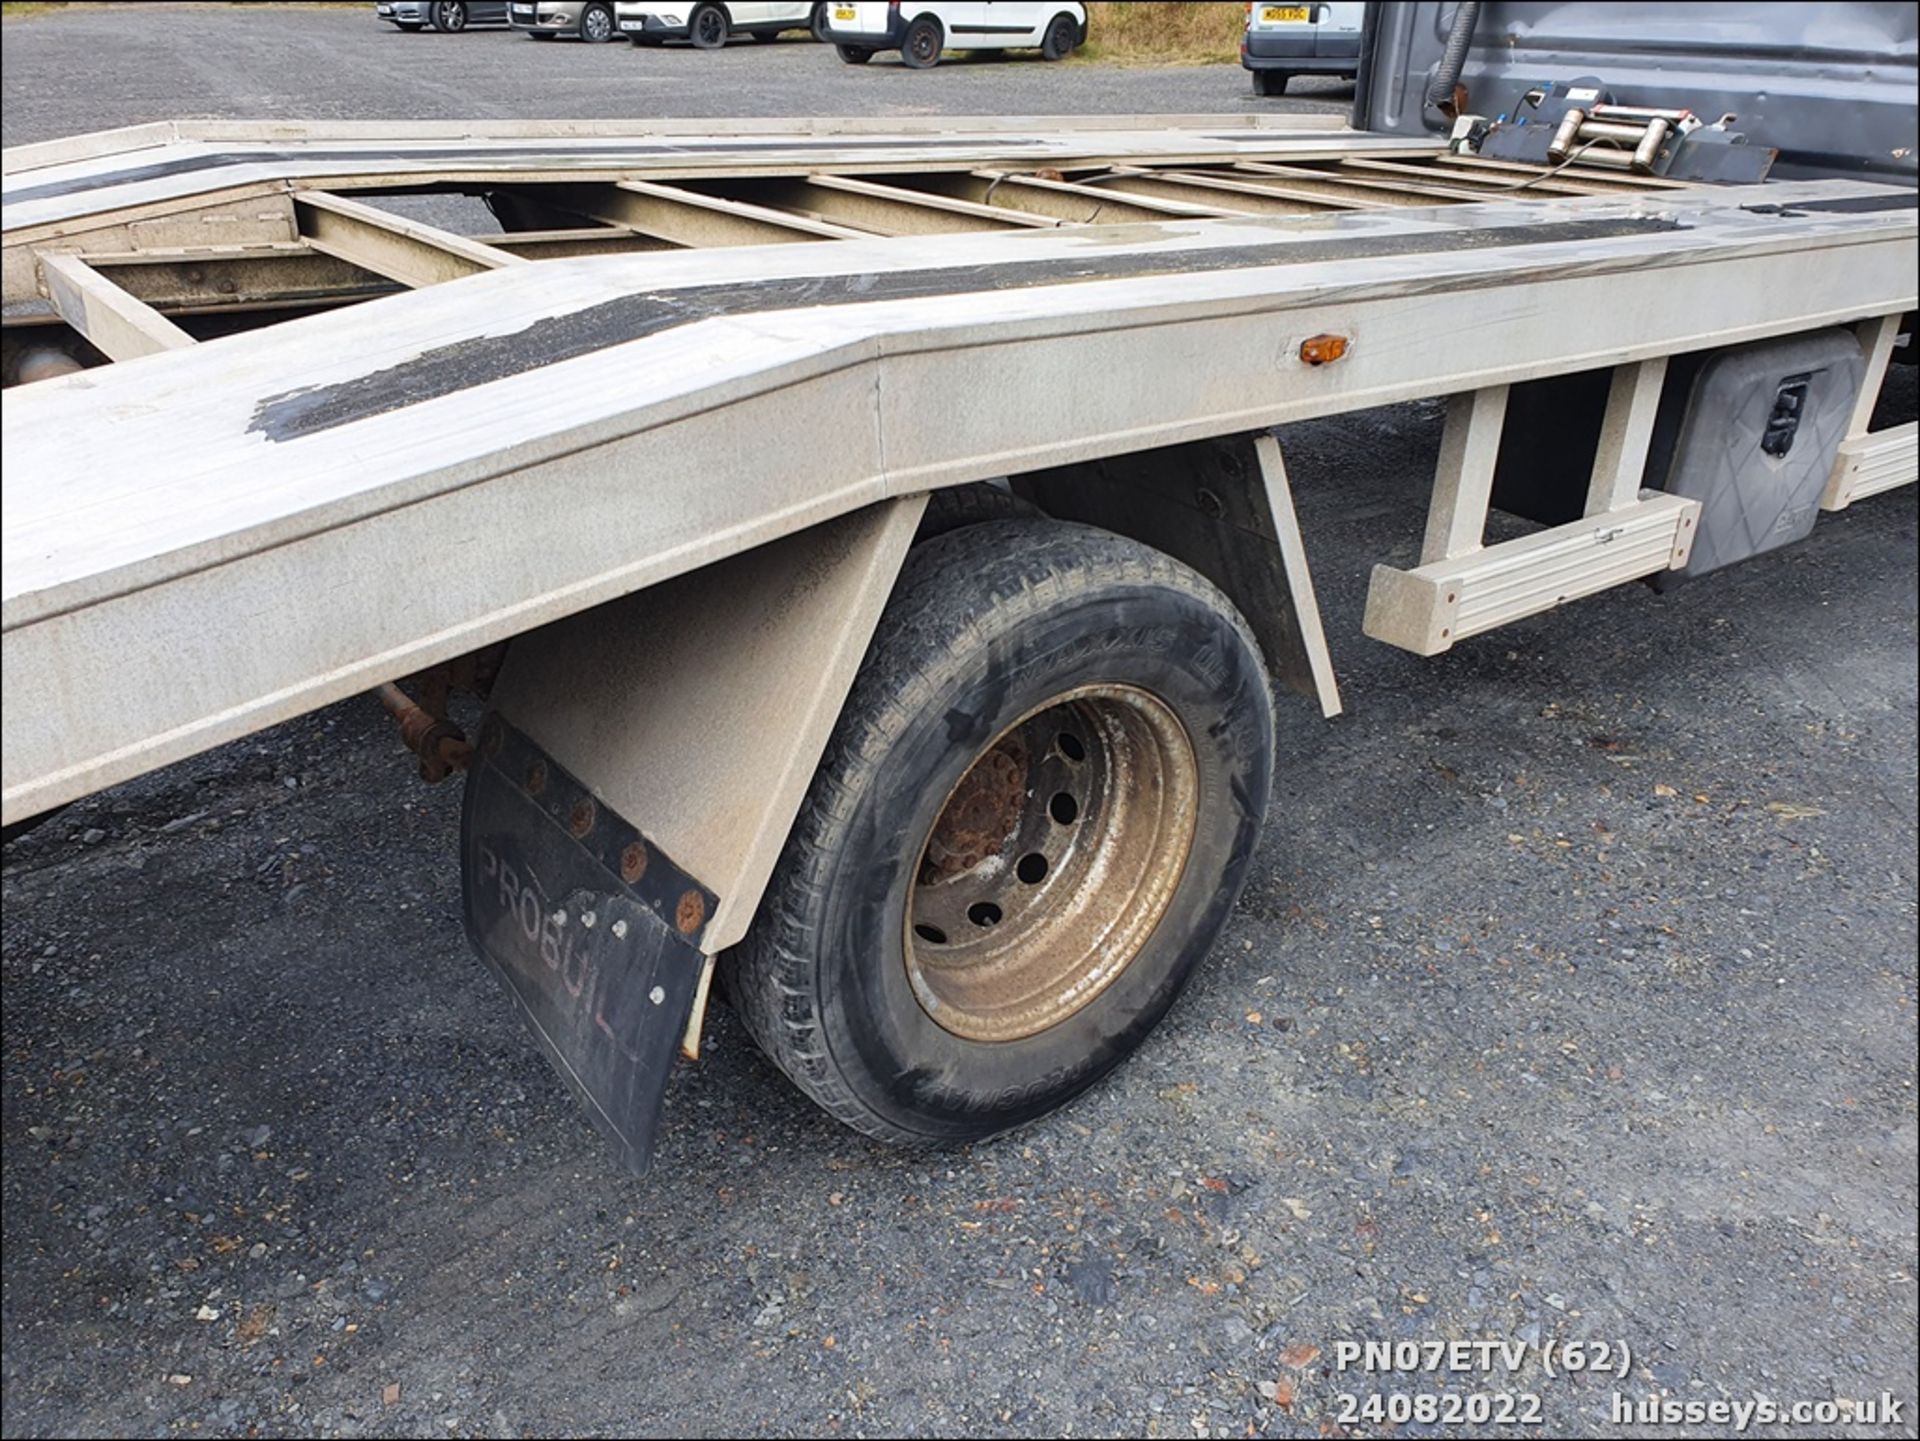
(700,368)
(383,487)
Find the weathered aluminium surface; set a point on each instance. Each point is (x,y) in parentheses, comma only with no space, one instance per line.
(214,534)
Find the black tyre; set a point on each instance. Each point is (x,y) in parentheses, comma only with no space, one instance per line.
(1034,816)
(920,47)
(449,16)
(962,505)
(708,27)
(817,22)
(1270,82)
(1063,34)
(854,54)
(596,25)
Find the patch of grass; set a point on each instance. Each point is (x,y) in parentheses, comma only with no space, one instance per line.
(1145,32)
(12,8)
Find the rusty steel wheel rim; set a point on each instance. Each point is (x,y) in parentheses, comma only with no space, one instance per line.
(1051,863)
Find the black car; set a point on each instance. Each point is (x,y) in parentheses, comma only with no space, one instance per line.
(446,16)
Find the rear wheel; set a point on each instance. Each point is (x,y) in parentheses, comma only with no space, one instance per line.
(854,54)
(1270,82)
(449,16)
(708,28)
(596,24)
(1063,33)
(920,47)
(817,22)
(1031,823)
(958,506)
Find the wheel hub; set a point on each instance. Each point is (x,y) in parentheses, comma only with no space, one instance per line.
(1051,863)
(982,813)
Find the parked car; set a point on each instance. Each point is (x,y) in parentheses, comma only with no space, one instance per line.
(1283,41)
(920,31)
(447,16)
(709,24)
(589,20)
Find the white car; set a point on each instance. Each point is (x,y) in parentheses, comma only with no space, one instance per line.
(709,24)
(1283,41)
(920,31)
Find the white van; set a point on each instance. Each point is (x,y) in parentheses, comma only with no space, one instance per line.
(1283,41)
(920,30)
(710,24)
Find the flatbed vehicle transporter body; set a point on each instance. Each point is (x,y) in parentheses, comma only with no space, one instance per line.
(868,538)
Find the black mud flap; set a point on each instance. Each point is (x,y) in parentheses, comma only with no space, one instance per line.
(594,932)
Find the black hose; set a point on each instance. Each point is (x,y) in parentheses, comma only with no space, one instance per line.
(1454,58)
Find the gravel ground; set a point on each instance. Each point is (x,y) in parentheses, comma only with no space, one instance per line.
(1572,998)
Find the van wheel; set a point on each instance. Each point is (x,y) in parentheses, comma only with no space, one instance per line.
(854,54)
(708,28)
(920,47)
(1270,82)
(1063,33)
(817,22)
(449,17)
(1031,823)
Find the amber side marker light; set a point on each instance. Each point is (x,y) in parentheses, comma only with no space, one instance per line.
(1323,349)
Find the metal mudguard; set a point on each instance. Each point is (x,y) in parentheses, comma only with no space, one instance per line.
(593,931)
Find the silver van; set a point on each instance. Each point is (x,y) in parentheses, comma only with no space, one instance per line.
(1283,41)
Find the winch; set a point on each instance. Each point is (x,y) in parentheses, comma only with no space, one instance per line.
(1580,122)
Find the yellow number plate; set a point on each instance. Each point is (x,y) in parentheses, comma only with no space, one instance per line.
(843,12)
(1297,14)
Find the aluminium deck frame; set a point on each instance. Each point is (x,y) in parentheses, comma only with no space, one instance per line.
(206,538)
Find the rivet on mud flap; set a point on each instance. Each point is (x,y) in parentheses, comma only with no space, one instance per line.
(601,968)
